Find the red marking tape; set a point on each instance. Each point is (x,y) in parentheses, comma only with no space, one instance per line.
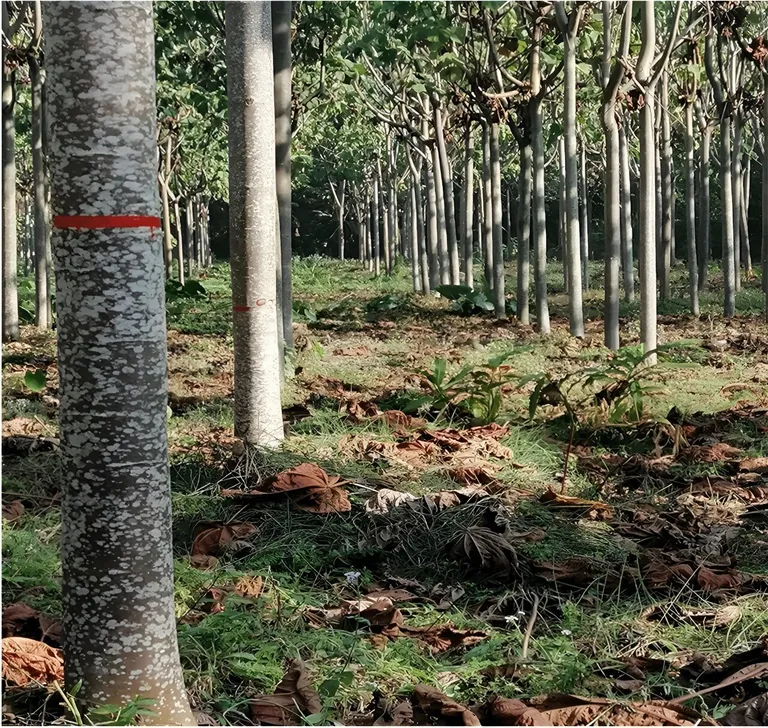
(241,308)
(104,222)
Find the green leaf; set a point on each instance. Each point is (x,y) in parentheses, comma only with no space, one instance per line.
(329,688)
(315,718)
(453,293)
(36,381)
(347,678)
(439,367)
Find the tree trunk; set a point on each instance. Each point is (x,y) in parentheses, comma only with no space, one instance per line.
(42,287)
(442,222)
(584,219)
(179,240)
(368,232)
(375,237)
(704,202)
(561,216)
(690,211)
(726,192)
(386,243)
(666,189)
(467,209)
(117,559)
(252,207)
(413,233)
(764,195)
(647,202)
(164,179)
(432,223)
(447,178)
(737,186)
(487,208)
(539,215)
(9,243)
(190,237)
(340,214)
(524,234)
(627,253)
(572,237)
(499,302)
(281,54)
(746,252)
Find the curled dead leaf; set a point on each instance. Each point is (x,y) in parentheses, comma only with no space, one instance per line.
(249,587)
(437,704)
(20,620)
(590,508)
(486,549)
(211,539)
(27,662)
(399,714)
(203,562)
(755,465)
(13,511)
(716,453)
(293,699)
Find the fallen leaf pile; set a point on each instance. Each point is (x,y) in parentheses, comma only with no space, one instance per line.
(212,539)
(308,486)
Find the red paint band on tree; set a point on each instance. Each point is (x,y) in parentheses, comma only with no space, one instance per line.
(104,222)
(241,308)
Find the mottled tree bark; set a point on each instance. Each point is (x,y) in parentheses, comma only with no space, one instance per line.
(666,189)
(524,234)
(584,218)
(375,229)
(281,54)
(190,236)
(704,203)
(179,240)
(442,220)
(538,199)
(252,223)
(117,560)
(9,242)
(737,187)
(467,209)
(690,210)
(746,250)
(627,246)
(164,178)
(42,284)
(432,223)
(386,241)
(499,303)
(487,208)
(421,231)
(446,175)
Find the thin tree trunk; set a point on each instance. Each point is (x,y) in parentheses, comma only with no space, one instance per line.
(253,210)
(764,196)
(487,208)
(9,242)
(446,172)
(690,211)
(498,242)
(627,253)
(42,292)
(368,232)
(584,219)
(572,237)
(538,202)
(164,178)
(737,185)
(375,224)
(340,213)
(414,232)
(666,189)
(442,223)
(704,202)
(281,55)
(726,192)
(746,252)
(467,209)
(179,240)
(647,202)
(561,219)
(386,243)
(116,551)
(524,234)
(190,237)
(432,223)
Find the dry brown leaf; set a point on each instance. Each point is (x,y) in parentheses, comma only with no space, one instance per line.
(755,465)
(28,661)
(13,511)
(324,500)
(752,712)
(399,714)
(487,549)
(203,562)
(211,539)
(716,453)
(516,712)
(440,638)
(395,595)
(559,501)
(306,475)
(385,499)
(203,718)
(293,699)
(20,620)
(574,571)
(438,705)
(213,601)
(249,587)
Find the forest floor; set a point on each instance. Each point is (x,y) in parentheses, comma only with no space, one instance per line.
(455,575)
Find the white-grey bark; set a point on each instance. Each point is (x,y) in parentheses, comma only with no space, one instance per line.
(420,229)
(9,241)
(764,195)
(569,28)
(467,209)
(446,175)
(666,189)
(414,230)
(627,246)
(190,218)
(442,222)
(584,218)
(746,250)
(690,210)
(375,226)
(538,199)
(117,560)
(164,179)
(524,234)
(179,240)
(383,210)
(281,55)
(498,243)
(704,203)
(487,208)
(252,226)
(42,283)
(647,201)
(432,223)
(737,187)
